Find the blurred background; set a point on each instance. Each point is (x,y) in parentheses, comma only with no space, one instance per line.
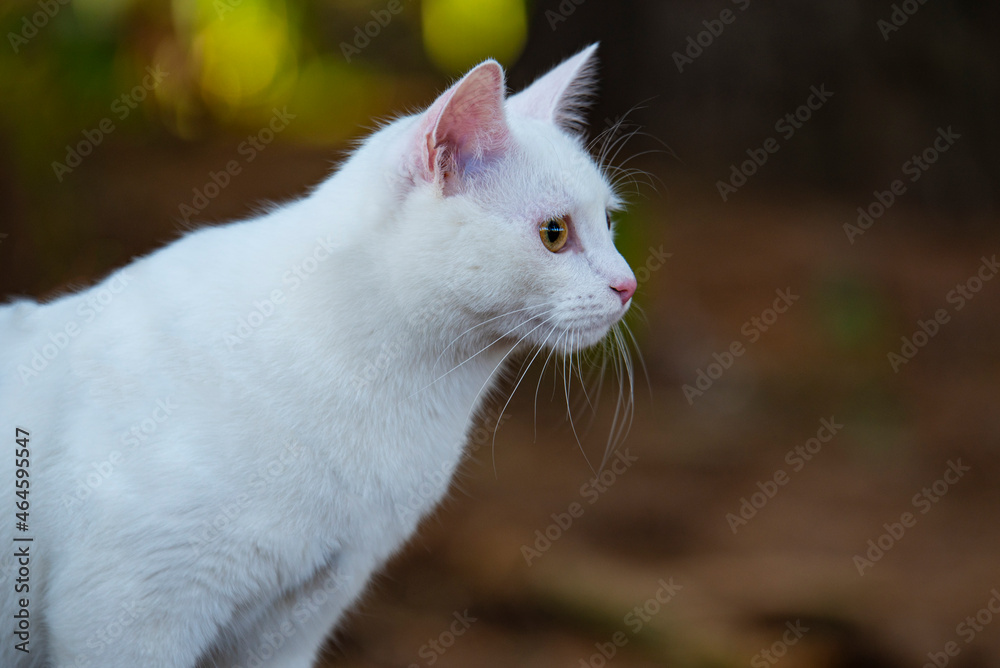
(809,479)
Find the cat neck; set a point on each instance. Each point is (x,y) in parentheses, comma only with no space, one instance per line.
(375,322)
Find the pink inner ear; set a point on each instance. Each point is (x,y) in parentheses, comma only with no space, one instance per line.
(466,124)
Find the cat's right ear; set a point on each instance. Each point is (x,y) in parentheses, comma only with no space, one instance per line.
(561,96)
(464,129)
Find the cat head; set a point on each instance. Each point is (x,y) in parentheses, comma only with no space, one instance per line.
(506,212)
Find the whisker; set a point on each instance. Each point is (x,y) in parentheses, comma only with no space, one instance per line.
(636,170)
(627,359)
(485,322)
(638,354)
(541,375)
(503,359)
(567,377)
(579,374)
(593,371)
(516,385)
(481,351)
(624,407)
(610,133)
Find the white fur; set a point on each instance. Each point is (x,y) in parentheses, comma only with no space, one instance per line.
(203,490)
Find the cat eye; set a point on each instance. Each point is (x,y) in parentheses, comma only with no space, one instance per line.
(554,233)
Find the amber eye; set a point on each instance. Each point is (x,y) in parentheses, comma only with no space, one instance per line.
(554,234)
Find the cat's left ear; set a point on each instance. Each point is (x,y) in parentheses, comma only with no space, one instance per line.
(563,95)
(464,128)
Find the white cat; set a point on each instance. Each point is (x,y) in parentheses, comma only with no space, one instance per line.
(224,439)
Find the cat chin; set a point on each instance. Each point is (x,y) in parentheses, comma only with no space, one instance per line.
(576,340)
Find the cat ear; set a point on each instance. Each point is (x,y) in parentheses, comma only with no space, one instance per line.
(561,96)
(464,127)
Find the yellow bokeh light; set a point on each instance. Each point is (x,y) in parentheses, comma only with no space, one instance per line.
(459,33)
(242,53)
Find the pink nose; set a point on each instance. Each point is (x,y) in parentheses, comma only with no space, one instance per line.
(625,289)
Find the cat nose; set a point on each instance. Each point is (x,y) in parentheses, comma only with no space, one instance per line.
(625,289)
